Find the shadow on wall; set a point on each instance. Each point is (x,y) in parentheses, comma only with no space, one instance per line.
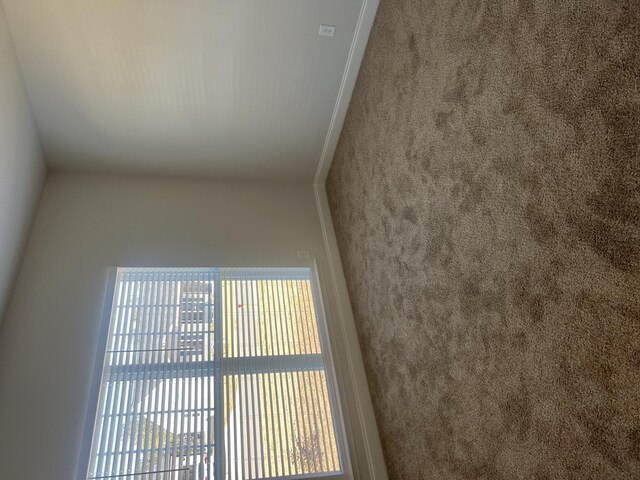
(486,198)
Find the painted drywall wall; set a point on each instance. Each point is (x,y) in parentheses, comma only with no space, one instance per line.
(87,224)
(177,84)
(22,169)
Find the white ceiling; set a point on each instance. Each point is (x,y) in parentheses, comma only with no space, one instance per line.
(218,88)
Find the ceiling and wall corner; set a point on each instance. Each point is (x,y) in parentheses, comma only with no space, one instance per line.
(22,169)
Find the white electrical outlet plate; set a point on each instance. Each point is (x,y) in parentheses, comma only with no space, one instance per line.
(327,30)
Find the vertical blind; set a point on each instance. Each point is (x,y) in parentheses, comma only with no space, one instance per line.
(217,374)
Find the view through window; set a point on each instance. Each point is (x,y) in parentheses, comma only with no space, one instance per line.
(215,374)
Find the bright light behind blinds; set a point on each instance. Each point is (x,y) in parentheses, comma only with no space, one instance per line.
(216,374)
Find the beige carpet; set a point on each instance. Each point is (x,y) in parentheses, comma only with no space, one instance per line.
(486,196)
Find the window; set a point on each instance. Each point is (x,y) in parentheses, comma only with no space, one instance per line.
(215,374)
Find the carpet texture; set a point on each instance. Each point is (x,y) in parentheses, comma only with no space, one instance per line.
(486,198)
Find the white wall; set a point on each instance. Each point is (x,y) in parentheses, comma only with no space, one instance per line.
(22,169)
(87,224)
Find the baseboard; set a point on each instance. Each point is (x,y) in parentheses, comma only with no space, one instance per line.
(349,77)
(371,465)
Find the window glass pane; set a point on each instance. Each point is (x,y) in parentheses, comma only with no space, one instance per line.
(184,344)
(280,424)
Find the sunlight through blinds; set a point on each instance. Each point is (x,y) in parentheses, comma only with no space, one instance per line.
(215,374)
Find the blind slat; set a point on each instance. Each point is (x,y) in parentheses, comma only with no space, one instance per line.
(310,464)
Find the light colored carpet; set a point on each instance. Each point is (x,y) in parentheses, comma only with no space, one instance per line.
(486,197)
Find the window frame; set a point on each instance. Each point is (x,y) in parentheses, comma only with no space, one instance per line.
(328,360)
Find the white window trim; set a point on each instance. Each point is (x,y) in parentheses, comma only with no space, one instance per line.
(343,430)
